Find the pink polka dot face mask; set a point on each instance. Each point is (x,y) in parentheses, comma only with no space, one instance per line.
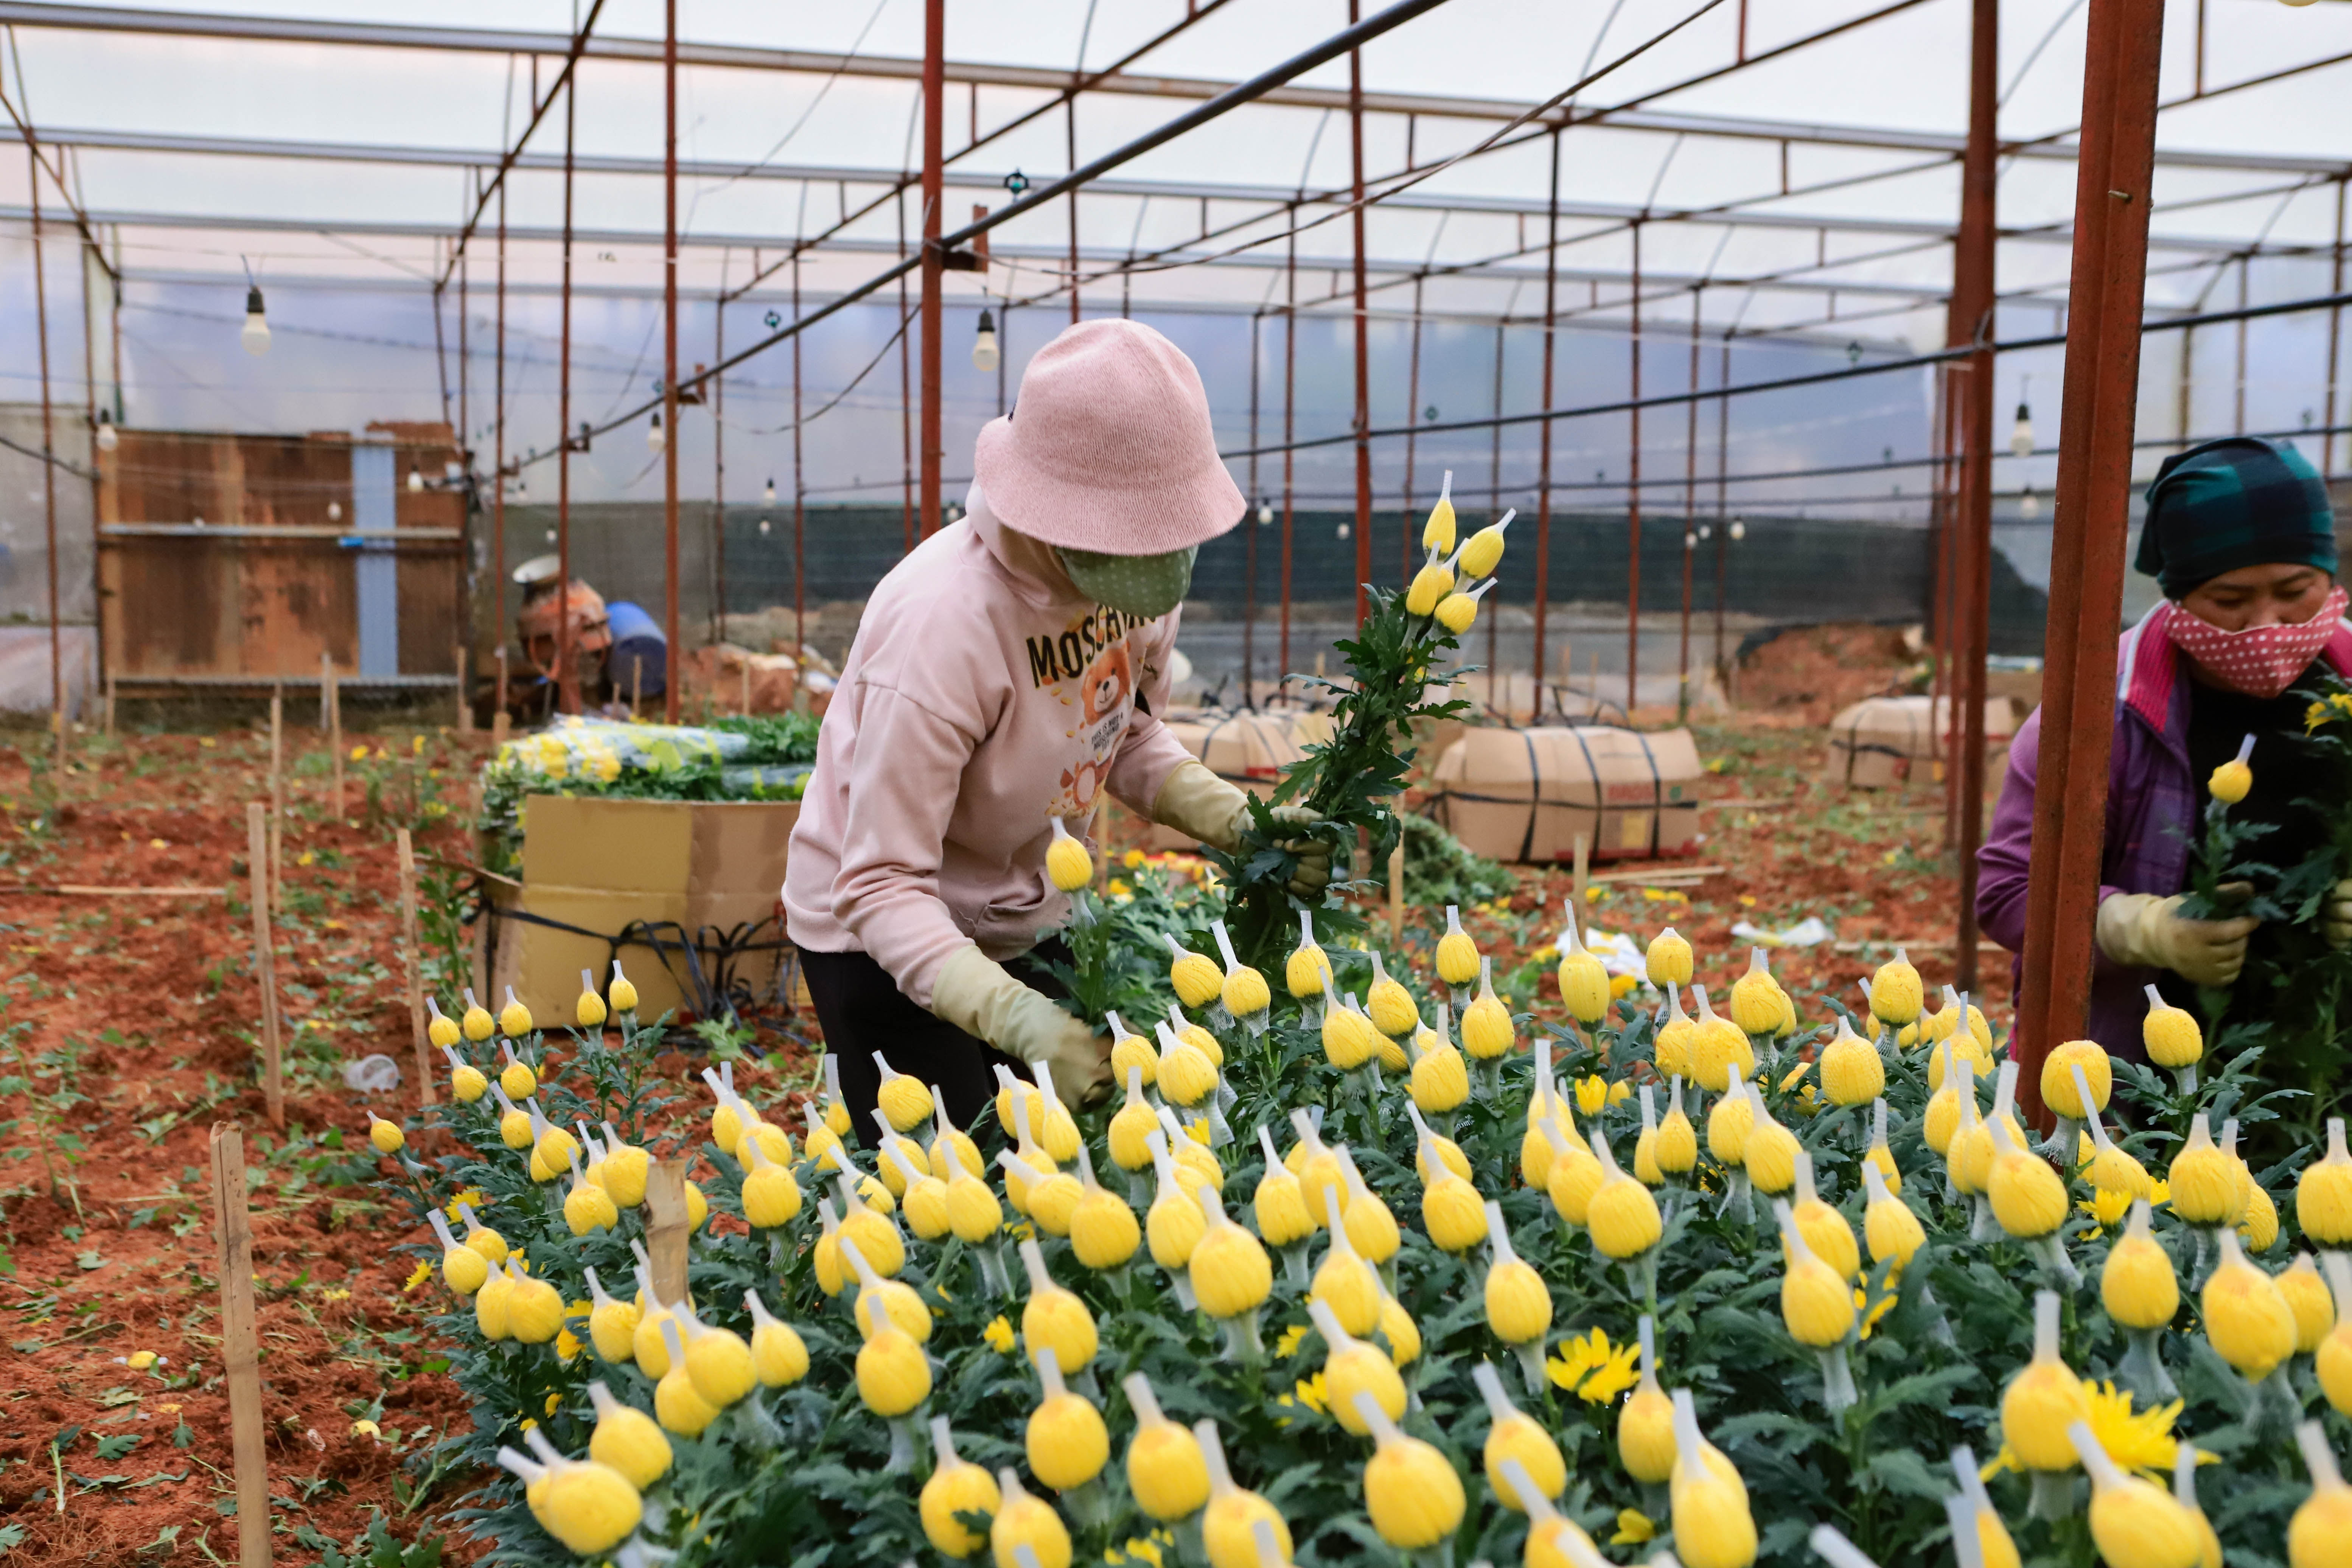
(2261,661)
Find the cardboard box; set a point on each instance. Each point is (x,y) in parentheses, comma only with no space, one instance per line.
(1526,794)
(1879,742)
(1247,749)
(601,864)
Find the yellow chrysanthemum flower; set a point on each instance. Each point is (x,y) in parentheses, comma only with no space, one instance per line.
(999,1335)
(1633,1528)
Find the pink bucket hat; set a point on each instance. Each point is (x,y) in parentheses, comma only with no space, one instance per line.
(1109,447)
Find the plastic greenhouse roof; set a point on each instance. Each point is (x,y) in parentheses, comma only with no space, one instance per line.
(337,162)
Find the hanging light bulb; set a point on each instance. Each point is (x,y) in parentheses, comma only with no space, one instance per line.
(984,355)
(1345,529)
(1738,531)
(254,334)
(523,487)
(2020,434)
(415,478)
(769,495)
(335,511)
(654,440)
(1265,514)
(2029,505)
(1706,531)
(106,438)
(763,527)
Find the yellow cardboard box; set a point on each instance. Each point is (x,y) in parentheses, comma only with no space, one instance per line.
(601,864)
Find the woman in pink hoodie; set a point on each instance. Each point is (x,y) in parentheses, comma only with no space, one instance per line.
(1003,676)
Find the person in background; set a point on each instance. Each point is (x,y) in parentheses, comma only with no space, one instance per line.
(2239,536)
(1003,676)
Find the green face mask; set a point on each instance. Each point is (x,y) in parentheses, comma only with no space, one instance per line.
(1144,585)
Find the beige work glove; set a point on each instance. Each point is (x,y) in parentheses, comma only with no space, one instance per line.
(976,994)
(2146,930)
(1195,801)
(2335,915)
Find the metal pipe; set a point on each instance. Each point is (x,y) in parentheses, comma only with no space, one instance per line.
(669,353)
(49,490)
(1070,130)
(567,684)
(2119,92)
(1538,656)
(1972,323)
(1363,420)
(933,258)
(1633,498)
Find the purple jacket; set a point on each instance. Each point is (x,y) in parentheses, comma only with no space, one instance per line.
(2151,806)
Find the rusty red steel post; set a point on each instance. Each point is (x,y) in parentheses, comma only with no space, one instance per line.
(2086,563)
(669,351)
(1972,321)
(799,497)
(48,484)
(1363,325)
(935,27)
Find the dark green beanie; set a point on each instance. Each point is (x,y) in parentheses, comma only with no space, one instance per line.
(2238,502)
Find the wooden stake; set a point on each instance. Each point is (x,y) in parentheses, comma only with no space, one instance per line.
(1396,894)
(330,698)
(636,684)
(276,794)
(745,667)
(500,726)
(502,678)
(265,958)
(1584,874)
(232,1231)
(413,965)
(464,696)
(109,706)
(666,1229)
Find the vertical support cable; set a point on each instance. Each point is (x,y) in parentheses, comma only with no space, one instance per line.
(799,488)
(1972,321)
(905,399)
(2238,383)
(935,27)
(1543,460)
(1634,497)
(1690,516)
(1411,420)
(1722,509)
(719,459)
(2086,565)
(1070,132)
(48,482)
(669,353)
(1249,532)
(498,442)
(1289,429)
(1494,507)
(2335,338)
(567,681)
(1363,325)
(2336,335)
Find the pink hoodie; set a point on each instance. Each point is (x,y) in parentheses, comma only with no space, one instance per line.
(982,697)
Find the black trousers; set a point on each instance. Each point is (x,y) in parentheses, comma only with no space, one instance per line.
(862,1011)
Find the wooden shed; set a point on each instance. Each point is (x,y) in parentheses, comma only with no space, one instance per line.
(234,561)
